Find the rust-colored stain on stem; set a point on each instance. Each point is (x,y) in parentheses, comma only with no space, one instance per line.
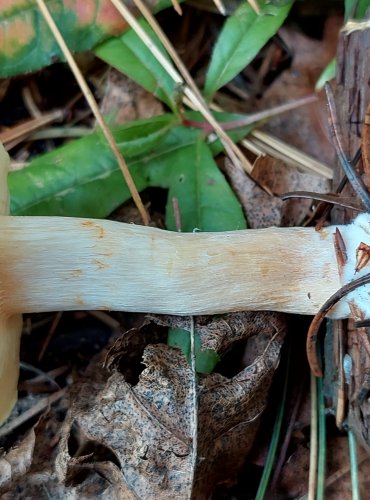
(90,224)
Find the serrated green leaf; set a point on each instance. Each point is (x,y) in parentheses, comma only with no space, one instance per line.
(130,55)
(27,44)
(242,37)
(82,178)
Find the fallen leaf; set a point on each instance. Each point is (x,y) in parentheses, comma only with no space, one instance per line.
(16,462)
(144,430)
(124,100)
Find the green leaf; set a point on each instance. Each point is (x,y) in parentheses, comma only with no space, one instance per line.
(130,55)
(205,202)
(242,37)
(82,178)
(27,44)
(205,359)
(355,9)
(327,74)
(205,199)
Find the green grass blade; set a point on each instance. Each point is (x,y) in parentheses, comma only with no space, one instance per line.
(271,456)
(354,466)
(321,464)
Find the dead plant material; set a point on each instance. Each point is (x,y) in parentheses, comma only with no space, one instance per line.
(318,319)
(134,427)
(365,146)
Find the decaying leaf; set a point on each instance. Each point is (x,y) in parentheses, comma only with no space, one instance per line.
(221,332)
(23,31)
(17,460)
(130,434)
(124,100)
(262,210)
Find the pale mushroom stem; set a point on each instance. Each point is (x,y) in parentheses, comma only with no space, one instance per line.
(10,328)
(57,263)
(50,264)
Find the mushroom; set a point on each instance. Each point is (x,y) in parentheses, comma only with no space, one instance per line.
(61,263)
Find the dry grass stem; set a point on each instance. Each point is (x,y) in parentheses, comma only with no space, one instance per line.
(254,6)
(52,330)
(95,109)
(29,103)
(42,405)
(194,403)
(190,90)
(177,7)
(282,151)
(220,6)
(15,135)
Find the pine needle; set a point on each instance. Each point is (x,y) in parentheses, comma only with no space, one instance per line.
(180,76)
(95,109)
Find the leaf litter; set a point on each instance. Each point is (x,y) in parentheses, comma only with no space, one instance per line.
(138,436)
(127,432)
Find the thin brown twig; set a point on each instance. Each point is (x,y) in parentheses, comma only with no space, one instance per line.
(327,208)
(29,384)
(50,334)
(311,343)
(43,404)
(12,136)
(40,374)
(95,109)
(176,213)
(284,446)
(254,118)
(332,199)
(365,145)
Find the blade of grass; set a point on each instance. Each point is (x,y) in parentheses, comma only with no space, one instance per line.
(321,464)
(194,404)
(262,488)
(95,109)
(354,466)
(312,477)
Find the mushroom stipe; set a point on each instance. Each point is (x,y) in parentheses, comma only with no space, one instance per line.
(61,263)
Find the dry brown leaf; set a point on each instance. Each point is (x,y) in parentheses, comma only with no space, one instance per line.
(124,100)
(306,127)
(280,179)
(221,332)
(261,209)
(139,437)
(16,462)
